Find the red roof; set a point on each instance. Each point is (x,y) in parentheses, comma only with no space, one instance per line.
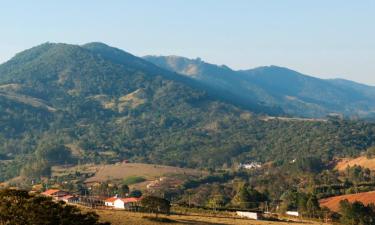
(66,197)
(129,200)
(51,192)
(112,199)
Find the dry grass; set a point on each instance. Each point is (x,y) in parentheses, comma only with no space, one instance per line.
(360,161)
(148,171)
(123,217)
(333,203)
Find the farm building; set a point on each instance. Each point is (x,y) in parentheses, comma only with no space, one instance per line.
(249,215)
(110,202)
(69,198)
(292,213)
(54,193)
(125,203)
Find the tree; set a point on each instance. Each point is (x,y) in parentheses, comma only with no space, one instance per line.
(156,205)
(370,153)
(123,190)
(242,198)
(135,194)
(289,201)
(356,213)
(19,207)
(312,206)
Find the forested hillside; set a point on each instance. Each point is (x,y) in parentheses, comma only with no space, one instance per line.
(111,106)
(295,93)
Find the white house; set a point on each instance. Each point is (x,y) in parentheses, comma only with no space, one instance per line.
(251,165)
(110,202)
(125,203)
(249,215)
(292,213)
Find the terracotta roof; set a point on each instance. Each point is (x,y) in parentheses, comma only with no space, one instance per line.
(129,200)
(112,199)
(66,197)
(50,192)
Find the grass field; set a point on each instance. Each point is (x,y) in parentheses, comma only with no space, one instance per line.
(360,161)
(148,171)
(333,203)
(123,217)
(124,171)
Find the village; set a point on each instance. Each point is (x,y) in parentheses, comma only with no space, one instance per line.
(133,204)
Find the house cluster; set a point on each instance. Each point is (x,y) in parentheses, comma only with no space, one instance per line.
(113,202)
(122,203)
(60,195)
(250,165)
(166,182)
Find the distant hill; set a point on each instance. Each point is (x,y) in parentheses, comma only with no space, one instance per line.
(295,93)
(114,106)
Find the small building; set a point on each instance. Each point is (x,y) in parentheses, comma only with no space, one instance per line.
(249,215)
(70,198)
(55,193)
(110,202)
(292,213)
(250,166)
(125,203)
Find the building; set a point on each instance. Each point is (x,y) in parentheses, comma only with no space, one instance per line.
(110,202)
(250,166)
(292,213)
(249,215)
(54,193)
(126,203)
(70,198)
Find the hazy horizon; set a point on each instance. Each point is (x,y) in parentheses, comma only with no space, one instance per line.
(324,39)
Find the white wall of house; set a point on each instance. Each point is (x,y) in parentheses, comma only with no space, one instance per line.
(110,204)
(119,204)
(250,215)
(292,213)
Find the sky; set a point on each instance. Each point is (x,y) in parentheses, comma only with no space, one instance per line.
(323,38)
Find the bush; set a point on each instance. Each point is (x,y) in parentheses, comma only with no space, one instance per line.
(133,180)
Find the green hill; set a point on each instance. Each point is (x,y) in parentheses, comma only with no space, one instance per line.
(295,93)
(108,101)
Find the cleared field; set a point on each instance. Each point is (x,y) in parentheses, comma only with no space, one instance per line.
(148,171)
(360,161)
(123,217)
(333,203)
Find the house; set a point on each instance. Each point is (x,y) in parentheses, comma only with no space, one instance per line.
(249,215)
(54,193)
(110,202)
(292,213)
(70,198)
(251,165)
(125,203)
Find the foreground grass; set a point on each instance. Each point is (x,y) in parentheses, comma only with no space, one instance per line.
(124,217)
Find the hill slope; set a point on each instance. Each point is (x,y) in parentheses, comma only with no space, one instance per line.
(295,93)
(115,106)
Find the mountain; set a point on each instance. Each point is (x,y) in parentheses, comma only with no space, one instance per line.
(93,103)
(295,93)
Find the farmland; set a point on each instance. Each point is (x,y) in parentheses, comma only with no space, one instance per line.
(126,171)
(334,202)
(123,217)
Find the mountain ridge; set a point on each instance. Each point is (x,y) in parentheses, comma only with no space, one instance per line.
(294,92)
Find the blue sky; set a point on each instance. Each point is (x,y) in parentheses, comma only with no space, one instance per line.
(324,38)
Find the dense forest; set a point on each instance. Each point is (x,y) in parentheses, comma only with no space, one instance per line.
(68,104)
